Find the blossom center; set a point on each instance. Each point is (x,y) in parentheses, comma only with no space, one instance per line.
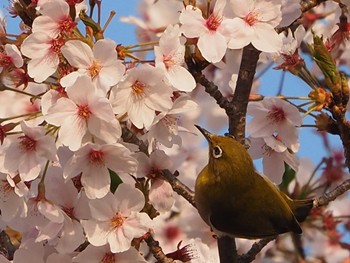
(251,18)
(118,220)
(276,114)
(108,258)
(5,60)
(213,22)
(6,187)
(168,61)
(27,144)
(66,25)
(96,158)
(138,87)
(56,45)
(84,112)
(94,69)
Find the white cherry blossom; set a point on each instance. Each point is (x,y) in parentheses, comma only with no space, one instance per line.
(55,19)
(101,63)
(93,161)
(116,219)
(10,57)
(254,23)
(170,57)
(161,194)
(140,94)
(83,113)
(213,33)
(29,152)
(274,154)
(44,51)
(275,116)
(103,253)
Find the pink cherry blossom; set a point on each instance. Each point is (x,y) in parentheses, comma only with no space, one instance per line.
(44,51)
(83,113)
(213,33)
(274,154)
(101,63)
(29,152)
(103,253)
(167,125)
(10,57)
(275,116)
(170,57)
(141,94)
(55,19)
(93,162)
(160,193)
(254,23)
(116,219)
(13,192)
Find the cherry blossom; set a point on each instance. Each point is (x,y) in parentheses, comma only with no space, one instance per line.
(93,162)
(83,113)
(44,51)
(213,33)
(55,18)
(169,56)
(10,57)
(116,219)
(141,94)
(273,115)
(94,254)
(254,23)
(101,63)
(167,125)
(28,153)
(274,154)
(13,192)
(160,193)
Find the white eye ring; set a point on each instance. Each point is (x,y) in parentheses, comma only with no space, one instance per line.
(217,152)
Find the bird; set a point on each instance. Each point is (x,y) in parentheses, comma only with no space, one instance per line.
(235,200)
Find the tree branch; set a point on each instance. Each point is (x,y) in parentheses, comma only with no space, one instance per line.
(306,5)
(240,99)
(209,86)
(177,185)
(326,198)
(227,249)
(156,250)
(255,249)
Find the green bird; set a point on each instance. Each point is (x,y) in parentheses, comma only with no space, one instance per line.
(234,200)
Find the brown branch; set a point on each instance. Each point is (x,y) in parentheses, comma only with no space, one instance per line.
(326,198)
(227,249)
(176,184)
(255,249)
(306,5)
(156,250)
(179,187)
(240,99)
(210,87)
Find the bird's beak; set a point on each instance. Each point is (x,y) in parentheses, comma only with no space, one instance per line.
(206,134)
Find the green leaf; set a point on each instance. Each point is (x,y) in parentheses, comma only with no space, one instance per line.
(288,177)
(115,180)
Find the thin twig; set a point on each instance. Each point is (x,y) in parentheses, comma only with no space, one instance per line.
(326,198)
(157,251)
(255,249)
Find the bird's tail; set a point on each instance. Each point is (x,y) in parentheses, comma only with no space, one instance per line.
(302,208)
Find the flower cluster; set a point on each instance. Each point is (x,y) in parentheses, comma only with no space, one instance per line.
(88,126)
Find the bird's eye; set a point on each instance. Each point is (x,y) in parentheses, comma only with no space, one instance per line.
(217,152)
